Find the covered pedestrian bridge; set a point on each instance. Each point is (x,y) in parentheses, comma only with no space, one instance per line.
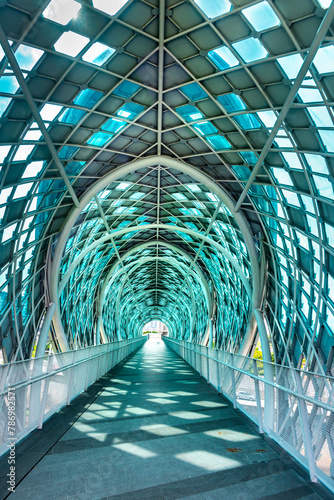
(167,160)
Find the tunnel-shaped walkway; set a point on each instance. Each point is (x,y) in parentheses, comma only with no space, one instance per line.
(157,430)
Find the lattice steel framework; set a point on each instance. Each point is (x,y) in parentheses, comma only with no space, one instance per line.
(97,100)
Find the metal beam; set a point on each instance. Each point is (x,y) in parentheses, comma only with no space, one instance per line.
(213,218)
(198,274)
(25,89)
(323,28)
(167,227)
(120,172)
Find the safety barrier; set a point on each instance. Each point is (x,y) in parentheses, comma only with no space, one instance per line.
(295,408)
(34,389)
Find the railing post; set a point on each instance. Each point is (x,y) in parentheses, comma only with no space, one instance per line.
(306,429)
(70,382)
(45,394)
(258,397)
(233,383)
(88,363)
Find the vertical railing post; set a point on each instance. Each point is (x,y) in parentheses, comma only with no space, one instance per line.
(258,397)
(70,382)
(233,383)
(87,363)
(45,394)
(306,430)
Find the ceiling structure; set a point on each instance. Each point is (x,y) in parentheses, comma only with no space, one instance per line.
(168,160)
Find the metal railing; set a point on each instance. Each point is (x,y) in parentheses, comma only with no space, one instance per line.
(295,408)
(34,389)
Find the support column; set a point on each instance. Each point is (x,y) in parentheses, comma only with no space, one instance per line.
(210,333)
(43,336)
(98,330)
(269,395)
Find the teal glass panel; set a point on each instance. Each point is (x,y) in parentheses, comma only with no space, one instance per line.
(130,110)
(324,186)
(189,113)
(291,64)
(8,84)
(113,125)
(214,8)
(250,49)
(66,152)
(99,139)
(327,137)
(324,59)
(71,115)
(74,168)
(223,58)
(219,142)
(282,177)
(247,121)
(241,171)
(205,128)
(317,163)
(126,89)
(232,102)
(194,92)
(320,116)
(4,103)
(249,157)
(98,53)
(88,98)
(261,16)
(27,56)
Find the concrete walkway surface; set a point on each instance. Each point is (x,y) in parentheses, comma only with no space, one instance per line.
(156,430)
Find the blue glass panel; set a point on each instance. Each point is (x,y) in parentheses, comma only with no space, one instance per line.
(8,84)
(189,113)
(232,102)
(194,92)
(324,59)
(71,115)
(4,102)
(317,163)
(113,125)
(250,49)
(74,168)
(66,152)
(27,56)
(320,116)
(219,142)
(223,58)
(324,186)
(130,110)
(126,89)
(247,121)
(261,16)
(98,53)
(327,137)
(291,64)
(99,139)
(241,171)
(249,157)
(214,8)
(205,128)
(88,98)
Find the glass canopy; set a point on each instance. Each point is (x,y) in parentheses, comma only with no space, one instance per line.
(85,92)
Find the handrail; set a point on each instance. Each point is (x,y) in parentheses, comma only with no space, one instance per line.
(293,425)
(38,378)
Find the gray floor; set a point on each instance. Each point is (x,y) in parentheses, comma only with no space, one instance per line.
(157,430)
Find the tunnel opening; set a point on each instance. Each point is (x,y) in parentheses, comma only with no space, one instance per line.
(155,330)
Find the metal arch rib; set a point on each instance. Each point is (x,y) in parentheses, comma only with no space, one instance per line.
(203,282)
(167,227)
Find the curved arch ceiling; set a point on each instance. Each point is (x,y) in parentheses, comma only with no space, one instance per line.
(173,160)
